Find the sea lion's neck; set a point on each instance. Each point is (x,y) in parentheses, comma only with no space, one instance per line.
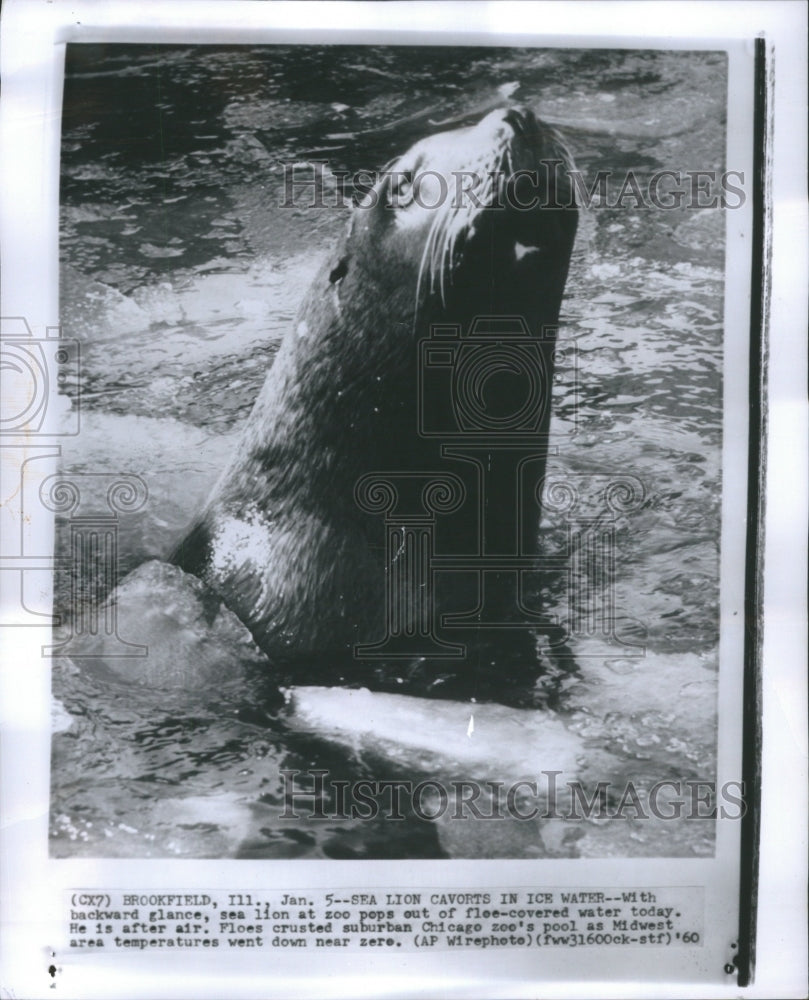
(329,412)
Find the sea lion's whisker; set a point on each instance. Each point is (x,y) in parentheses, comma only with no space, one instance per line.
(434,228)
(442,261)
(420,277)
(426,260)
(507,167)
(453,236)
(435,234)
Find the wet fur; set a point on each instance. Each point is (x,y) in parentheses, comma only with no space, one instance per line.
(281,538)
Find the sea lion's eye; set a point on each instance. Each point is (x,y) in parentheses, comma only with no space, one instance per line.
(400,192)
(338,273)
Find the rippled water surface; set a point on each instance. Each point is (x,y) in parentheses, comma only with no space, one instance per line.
(181,272)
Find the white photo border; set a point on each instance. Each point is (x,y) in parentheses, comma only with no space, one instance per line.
(33,37)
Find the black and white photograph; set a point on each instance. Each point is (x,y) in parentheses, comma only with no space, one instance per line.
(423,452)
(388,497)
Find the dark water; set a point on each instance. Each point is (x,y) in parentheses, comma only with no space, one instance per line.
(181,272)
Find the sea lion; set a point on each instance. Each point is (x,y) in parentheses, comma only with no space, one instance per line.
(474,223)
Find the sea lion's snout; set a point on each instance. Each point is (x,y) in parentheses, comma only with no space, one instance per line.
(520,119)
(526,137)
(536,186)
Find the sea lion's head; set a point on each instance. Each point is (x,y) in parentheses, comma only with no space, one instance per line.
(477,221)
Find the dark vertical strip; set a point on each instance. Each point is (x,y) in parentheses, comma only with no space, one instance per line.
(753,609)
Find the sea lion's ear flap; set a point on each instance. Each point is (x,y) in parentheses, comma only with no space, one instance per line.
(339,272)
